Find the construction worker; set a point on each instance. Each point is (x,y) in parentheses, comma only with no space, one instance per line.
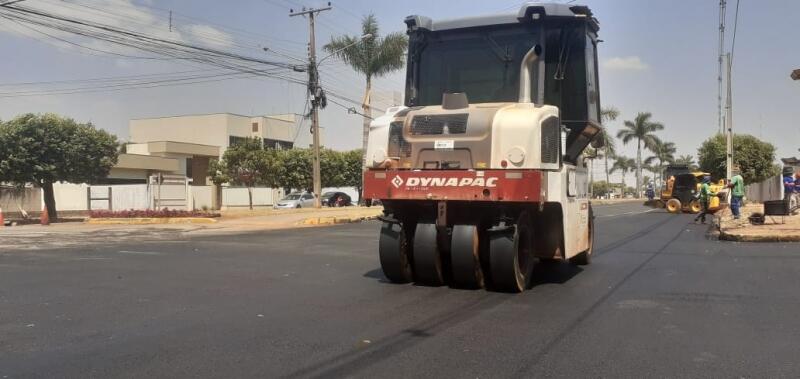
(737,193)
(704,196)
(788,183)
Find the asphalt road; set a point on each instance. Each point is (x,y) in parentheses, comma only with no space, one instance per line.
(659,300)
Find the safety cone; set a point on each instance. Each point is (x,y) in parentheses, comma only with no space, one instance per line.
(45,218)
(2,220)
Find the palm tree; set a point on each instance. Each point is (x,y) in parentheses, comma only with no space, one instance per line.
(624,165)
(373,57)
(609,147)
(687,160)
(663,152)
(640,129)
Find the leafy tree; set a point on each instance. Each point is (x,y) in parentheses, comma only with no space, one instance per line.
(296,169)
(642,130)
(245,163)
(609,146)
(45,149)
(373,57)
(352,173)
(663,154)
(601,188)
(754,157)
(624,165)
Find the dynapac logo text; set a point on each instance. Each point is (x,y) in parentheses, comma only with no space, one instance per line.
(447,182)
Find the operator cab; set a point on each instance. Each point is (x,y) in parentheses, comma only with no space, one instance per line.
(483,61)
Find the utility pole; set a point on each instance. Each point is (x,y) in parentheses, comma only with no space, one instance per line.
(728,125)
(316,93)
(720,126)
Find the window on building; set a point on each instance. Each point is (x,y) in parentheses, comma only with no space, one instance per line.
(277,144)
(188,167)
(234,140)
(255,127)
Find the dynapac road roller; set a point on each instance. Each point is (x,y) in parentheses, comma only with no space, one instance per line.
(481,173)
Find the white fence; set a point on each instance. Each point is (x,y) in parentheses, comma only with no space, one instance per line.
(238,197)
(174,195)
(770,189)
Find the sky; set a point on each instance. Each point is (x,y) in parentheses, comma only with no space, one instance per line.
(656,56)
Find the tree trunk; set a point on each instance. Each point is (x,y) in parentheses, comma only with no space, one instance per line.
(606,159)
(250,196)
(367,118)
(365,108)
(638,168)
(49,200)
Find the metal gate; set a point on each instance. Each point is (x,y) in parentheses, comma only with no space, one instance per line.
(169,191)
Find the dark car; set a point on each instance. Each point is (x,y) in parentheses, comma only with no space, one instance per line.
(335,199)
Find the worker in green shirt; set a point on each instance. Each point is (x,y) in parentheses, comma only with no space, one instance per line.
(704,196)
(737,192)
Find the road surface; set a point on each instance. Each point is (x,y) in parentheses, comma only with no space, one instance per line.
(659,300)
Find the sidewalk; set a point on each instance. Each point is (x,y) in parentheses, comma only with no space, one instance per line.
(230,221)
(72,234)
(775,228)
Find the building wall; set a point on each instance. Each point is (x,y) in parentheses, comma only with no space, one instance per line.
(200,129)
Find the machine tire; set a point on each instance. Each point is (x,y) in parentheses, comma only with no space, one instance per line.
(394,249)
(511,256)
(585,257)
(465,257)
(695,207)
(427,256)
(673,206)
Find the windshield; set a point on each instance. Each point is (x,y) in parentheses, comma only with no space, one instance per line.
(484,65)
(293,196)
(328,194)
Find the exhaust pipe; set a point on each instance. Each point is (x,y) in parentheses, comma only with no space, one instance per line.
(525,73)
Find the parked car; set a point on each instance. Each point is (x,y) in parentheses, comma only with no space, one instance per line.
(295,200)
(335,199)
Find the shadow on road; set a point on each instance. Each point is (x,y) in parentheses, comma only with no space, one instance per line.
(554,273)
(376,274)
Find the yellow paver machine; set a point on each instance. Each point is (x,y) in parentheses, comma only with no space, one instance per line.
(682,186)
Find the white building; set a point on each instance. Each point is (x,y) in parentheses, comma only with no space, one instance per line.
(185,144)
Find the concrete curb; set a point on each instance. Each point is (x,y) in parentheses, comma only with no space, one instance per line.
(151,220)
(725,236)
(335,220)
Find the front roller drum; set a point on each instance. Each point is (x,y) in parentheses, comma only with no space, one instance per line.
(427,256)
(394,249)
(465,257)
(511,256)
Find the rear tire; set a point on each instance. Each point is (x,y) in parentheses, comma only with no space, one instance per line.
(511,256)
(394,249)
(465,257)
(673,206)
(427,257)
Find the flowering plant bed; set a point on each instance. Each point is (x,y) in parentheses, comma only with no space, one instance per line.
(151,213)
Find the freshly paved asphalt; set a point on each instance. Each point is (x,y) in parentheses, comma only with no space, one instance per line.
(659,300)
